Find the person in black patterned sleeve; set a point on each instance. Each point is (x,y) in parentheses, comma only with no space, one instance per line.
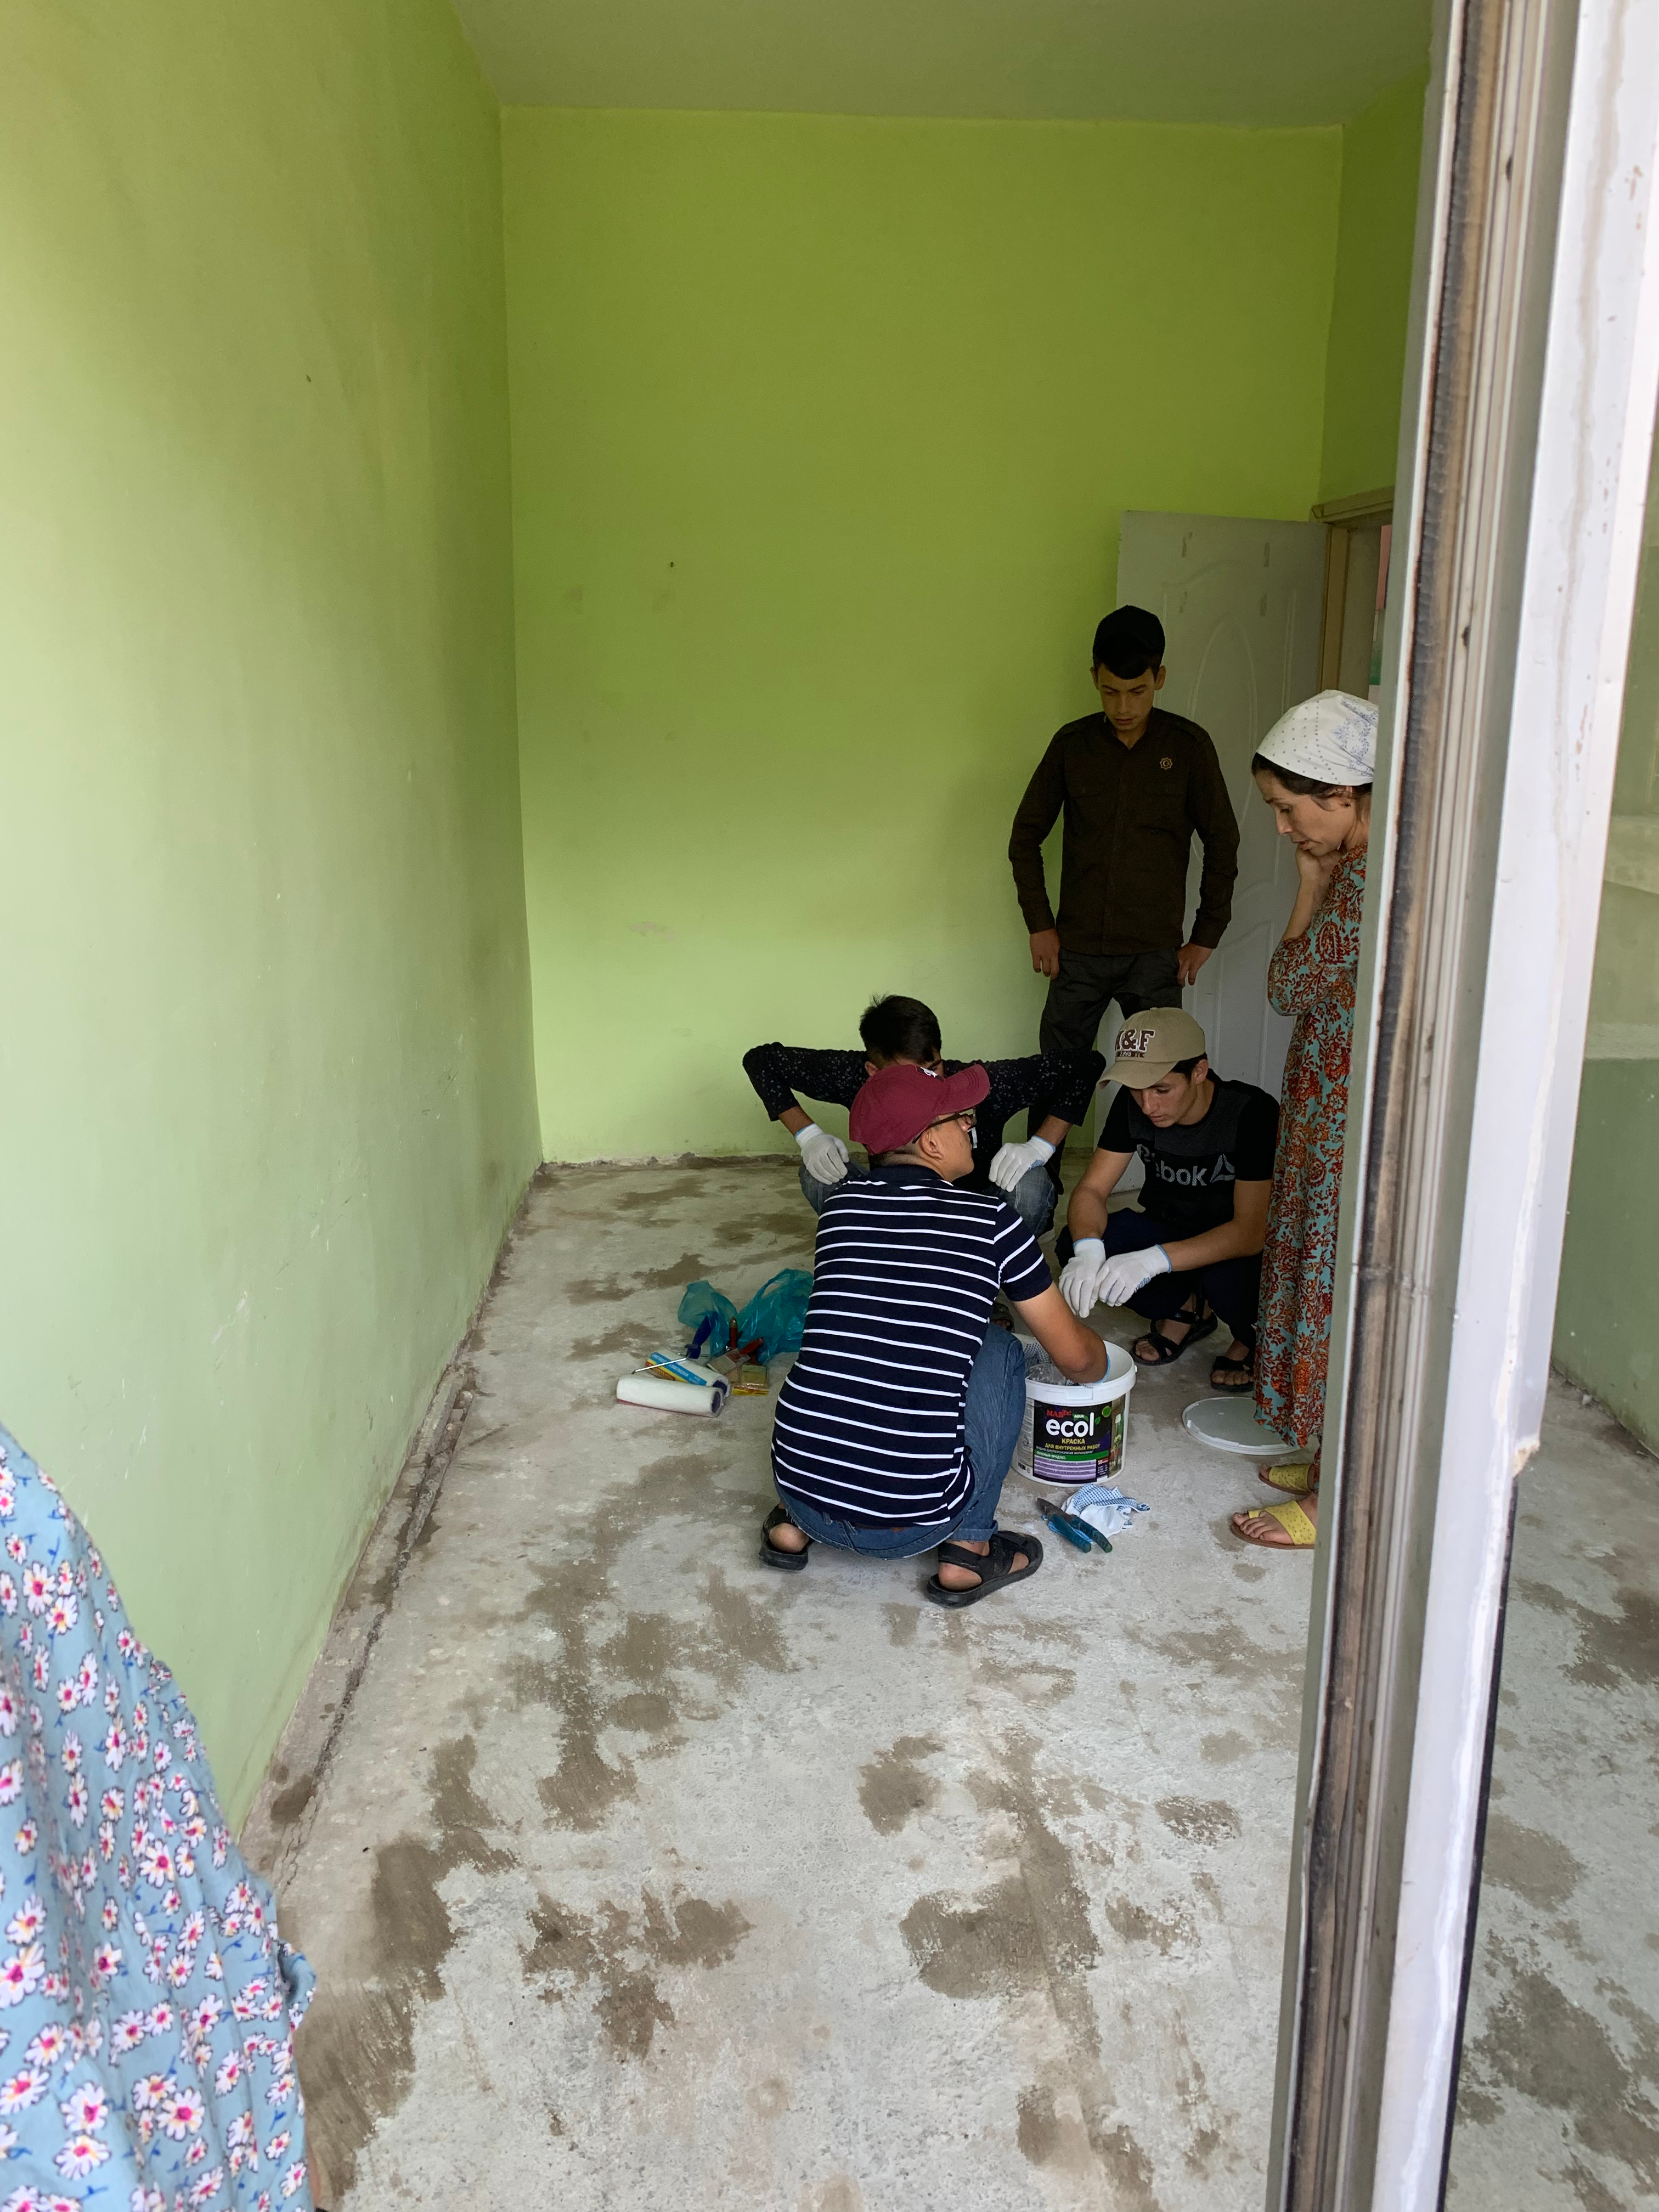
(899,1031)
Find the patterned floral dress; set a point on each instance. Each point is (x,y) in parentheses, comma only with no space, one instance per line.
(1312,977)
(146,2005)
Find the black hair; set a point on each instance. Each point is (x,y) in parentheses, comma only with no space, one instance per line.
(1186,1066)
(1305,786)
(899,1029)
(1129,643)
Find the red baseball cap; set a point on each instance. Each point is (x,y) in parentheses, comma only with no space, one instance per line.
(898,1101)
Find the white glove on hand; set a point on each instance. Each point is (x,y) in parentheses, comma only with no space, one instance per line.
(1079,1279)
(1013,1161)
(825,1157)
(1121,1278)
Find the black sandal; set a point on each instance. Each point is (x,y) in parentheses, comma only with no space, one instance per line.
(1222,1366)
(994,1568)
(1167,1349)
(774,1555)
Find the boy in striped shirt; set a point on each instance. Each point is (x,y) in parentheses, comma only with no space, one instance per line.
(895,1426)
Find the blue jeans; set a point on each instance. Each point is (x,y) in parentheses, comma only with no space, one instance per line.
(1032,1197)
(996,1408)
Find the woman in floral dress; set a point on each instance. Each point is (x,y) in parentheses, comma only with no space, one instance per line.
(147,2004)
(1313,768)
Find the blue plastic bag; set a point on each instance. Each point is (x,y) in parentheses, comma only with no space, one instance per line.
(709,1314)
(776,1314)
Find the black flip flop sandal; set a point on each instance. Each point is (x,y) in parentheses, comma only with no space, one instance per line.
(790,1562)
(1168,1350)
(993,1568)
(1244,1369)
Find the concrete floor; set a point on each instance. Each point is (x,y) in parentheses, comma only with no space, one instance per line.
(1559,2098)
(643,1877)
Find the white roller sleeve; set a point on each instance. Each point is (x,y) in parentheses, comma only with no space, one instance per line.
(670,1397)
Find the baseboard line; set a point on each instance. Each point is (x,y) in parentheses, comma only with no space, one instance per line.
(280,1818)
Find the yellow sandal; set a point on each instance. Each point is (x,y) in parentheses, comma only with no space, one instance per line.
(1292,1476)
(1290,1518)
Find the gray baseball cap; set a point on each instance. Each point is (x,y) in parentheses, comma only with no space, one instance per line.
(1149,1045)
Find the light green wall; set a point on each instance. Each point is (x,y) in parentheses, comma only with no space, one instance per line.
(820,431)
(1365,361)
(267,1103)
(1606,1315)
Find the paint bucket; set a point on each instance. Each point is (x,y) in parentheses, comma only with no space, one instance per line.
(1075,1432)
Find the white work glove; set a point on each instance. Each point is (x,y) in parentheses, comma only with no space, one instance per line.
(1014,1161)
(825,1156)
(1079,1279)
(1121,1277)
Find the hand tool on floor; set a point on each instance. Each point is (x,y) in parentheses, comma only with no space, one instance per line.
(1072,1531)
(1101,1543)
(676,1370)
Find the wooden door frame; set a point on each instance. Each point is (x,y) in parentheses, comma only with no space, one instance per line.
(1360,511)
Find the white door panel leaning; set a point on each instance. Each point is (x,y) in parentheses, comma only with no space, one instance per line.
(1240,602)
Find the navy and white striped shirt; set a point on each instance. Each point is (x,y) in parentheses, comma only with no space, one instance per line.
(871,1422)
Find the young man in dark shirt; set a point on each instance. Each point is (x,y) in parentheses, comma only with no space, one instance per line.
(1135,786)
(904,1032)
(1207,1145)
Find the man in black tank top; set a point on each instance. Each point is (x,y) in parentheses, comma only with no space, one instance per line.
(1194,1252)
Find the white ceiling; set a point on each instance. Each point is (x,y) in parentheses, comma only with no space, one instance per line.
(1252,61)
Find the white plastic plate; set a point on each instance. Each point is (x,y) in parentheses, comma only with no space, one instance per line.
(1230,1425)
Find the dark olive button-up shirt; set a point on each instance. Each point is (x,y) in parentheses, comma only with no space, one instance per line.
(1131,814)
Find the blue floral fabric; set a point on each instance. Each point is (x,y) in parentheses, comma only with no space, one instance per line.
(148,2006)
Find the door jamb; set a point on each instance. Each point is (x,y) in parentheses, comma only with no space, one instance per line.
(1524,451)
(1341,517)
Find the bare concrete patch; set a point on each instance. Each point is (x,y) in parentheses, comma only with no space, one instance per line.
(356,2056)
(1536,1866)
(840,2193)
(1222,1647)
(623,1338)
(1620,1647)
(1537,2043)
(1223,1748)
(735,1853)
(989,1945)
(895,1786)
(1201,1820)
(612,1290)
(1128,2169)
(1050,2137)
(627,1954)
(902,1623)
(1168,1932)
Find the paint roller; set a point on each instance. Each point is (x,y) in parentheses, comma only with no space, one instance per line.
(674,1386)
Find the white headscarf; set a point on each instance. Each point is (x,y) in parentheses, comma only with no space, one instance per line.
(1331,738)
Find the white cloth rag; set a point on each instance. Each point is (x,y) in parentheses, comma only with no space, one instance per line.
(1105,1508)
